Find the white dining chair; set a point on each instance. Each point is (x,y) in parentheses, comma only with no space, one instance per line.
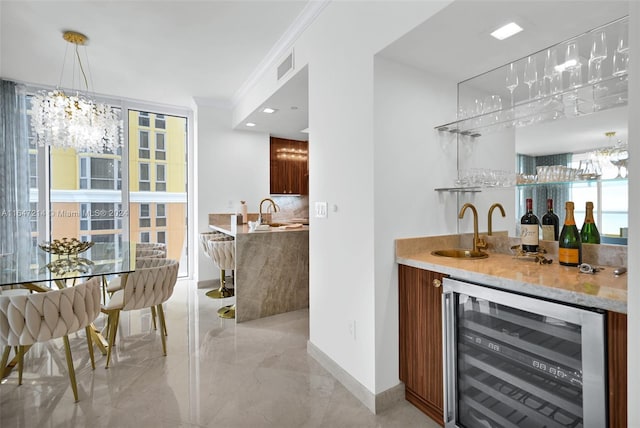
(26,319)
(150,285)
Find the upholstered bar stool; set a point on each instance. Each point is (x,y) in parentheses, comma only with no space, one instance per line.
(223,253)
(222,257)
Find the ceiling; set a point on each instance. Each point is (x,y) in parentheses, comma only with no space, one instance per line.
(171,52)
(166,52)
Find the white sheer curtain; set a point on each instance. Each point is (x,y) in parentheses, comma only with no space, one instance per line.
(15,239)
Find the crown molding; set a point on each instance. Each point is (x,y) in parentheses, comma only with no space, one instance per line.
(306,17)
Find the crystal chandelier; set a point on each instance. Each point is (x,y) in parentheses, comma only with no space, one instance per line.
(75,121)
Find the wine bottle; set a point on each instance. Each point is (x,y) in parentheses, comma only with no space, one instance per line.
(589,233)
(550,223)
(529,229)
(569,244)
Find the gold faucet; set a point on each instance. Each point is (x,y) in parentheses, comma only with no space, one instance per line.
(494,206)
(477,242)
(273,205)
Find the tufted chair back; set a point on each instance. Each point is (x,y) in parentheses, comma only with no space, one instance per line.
(150,284)
(29,318)
(157,246)
(150,254)
(205,237)
(223,253)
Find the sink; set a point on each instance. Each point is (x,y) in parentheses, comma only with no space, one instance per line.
(460,254)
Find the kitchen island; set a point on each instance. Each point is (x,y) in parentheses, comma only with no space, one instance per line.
(272,268)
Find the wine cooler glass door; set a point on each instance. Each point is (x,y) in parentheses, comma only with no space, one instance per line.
(516,361)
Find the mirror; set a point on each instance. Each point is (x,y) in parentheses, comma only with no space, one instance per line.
(561,126)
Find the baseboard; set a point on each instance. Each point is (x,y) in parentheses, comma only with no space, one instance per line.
(376,403)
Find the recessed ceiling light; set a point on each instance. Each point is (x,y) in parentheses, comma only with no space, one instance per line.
(269,110)
(507,31)
(250,124)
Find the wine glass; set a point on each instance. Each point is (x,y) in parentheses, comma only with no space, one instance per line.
(573,64)
(512,79)
(530,73)
(552,77)
(621,54)
(619,158)
(598,55)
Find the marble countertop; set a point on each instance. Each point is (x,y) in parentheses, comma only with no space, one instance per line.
(240,229)
(553,281)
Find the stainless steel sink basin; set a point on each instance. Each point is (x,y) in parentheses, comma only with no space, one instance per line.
(457,253)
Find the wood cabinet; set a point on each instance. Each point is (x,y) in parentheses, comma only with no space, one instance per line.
(289,167)
(617,368)
(421,339)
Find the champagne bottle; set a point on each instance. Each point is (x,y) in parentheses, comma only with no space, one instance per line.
(529,229)
(550,223)
(589,233)
(569,244)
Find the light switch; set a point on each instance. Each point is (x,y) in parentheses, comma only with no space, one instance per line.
(321,209)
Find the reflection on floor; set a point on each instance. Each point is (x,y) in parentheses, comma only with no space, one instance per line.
(216,374)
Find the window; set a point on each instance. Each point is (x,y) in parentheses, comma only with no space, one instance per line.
(143,151)
(161,180)
(161,215)
(145,215)
(161,154)
(144,237)
(33,216)
(160,121)
(100,173)
(99,216)
(144,180)
(161,237)
(33,171)
(143,119)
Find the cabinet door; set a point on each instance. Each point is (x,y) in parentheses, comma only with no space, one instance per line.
(420,334)
(289,167)
(617,365)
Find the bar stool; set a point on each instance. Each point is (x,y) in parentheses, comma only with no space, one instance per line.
(223,252)
(219,259)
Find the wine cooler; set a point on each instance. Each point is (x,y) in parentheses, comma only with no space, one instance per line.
(515,361)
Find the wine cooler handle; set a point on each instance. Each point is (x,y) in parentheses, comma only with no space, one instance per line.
(449,360)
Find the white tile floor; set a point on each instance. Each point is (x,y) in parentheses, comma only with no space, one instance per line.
(216,374)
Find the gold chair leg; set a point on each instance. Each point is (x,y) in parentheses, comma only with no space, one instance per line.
(90,343)
(114,317)
(72,371)
(163,328)
(153,316)
(4,361)
(20,363)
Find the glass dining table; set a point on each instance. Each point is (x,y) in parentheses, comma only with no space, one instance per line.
(52,271)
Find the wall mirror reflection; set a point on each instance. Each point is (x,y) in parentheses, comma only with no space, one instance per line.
(552,125)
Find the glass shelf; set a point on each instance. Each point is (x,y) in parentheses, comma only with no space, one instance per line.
(476,189)
(579,101)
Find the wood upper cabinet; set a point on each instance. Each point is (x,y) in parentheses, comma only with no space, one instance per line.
(617,368)
(289,167)
(420,334)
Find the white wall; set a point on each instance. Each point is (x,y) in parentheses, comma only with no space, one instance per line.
(231,166)
(410,160)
